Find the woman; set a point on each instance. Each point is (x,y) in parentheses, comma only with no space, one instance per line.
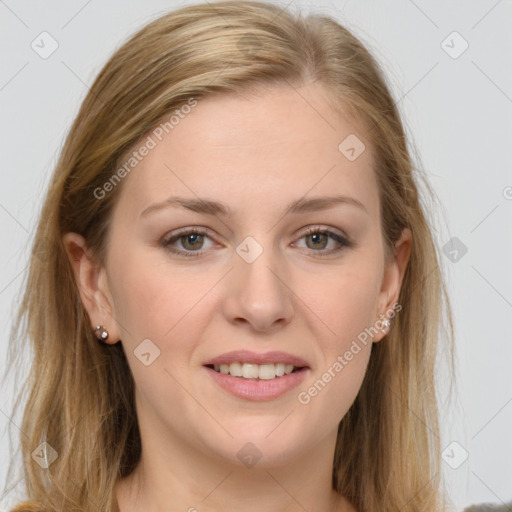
(240,298)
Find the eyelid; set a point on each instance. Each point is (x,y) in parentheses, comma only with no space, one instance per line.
(315,228)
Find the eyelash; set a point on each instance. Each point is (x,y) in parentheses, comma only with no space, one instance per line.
(342,241)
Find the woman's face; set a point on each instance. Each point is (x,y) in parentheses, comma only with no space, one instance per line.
(254,279)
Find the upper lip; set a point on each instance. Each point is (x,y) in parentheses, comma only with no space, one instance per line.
(246,356)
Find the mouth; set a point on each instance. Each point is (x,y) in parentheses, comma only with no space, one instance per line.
(257,382)
(251,371)
(257,376)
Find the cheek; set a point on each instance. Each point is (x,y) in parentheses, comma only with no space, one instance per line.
(346,301)
(154,303)
(157,302)
(143,302)
(347,306)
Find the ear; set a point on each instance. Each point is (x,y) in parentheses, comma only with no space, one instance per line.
(393,277)
(92,284)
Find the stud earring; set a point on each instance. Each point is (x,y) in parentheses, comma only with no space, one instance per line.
(101,333)
(386,323)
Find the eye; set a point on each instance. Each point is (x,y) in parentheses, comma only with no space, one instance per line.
(191,240)
(320,238)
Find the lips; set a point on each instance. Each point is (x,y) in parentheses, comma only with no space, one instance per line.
(246,356)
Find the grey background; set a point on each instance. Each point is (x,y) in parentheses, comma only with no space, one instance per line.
(458,112)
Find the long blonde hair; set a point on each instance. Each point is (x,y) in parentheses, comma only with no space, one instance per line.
(81,393)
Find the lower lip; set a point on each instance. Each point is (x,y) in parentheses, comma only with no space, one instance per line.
(257,389)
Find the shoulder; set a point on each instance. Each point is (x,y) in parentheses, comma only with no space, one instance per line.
(488,507)
(27,506)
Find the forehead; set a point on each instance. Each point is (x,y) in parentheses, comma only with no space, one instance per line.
(267,148)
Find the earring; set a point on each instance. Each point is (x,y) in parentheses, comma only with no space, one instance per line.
(386,323)
(101,333)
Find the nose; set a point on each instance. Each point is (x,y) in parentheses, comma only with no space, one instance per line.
(258,294)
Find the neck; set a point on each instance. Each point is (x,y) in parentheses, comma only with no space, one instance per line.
(175,476)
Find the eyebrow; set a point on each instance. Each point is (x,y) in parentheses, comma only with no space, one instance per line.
(209,207)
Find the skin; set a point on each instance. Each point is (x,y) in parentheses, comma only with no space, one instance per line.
(256,155)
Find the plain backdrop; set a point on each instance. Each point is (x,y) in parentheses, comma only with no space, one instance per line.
(449,65)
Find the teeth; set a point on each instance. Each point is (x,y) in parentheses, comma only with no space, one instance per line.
(255,371)
(267,371)
(249,371)
(235,369)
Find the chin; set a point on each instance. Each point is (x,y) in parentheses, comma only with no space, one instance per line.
(261,451)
